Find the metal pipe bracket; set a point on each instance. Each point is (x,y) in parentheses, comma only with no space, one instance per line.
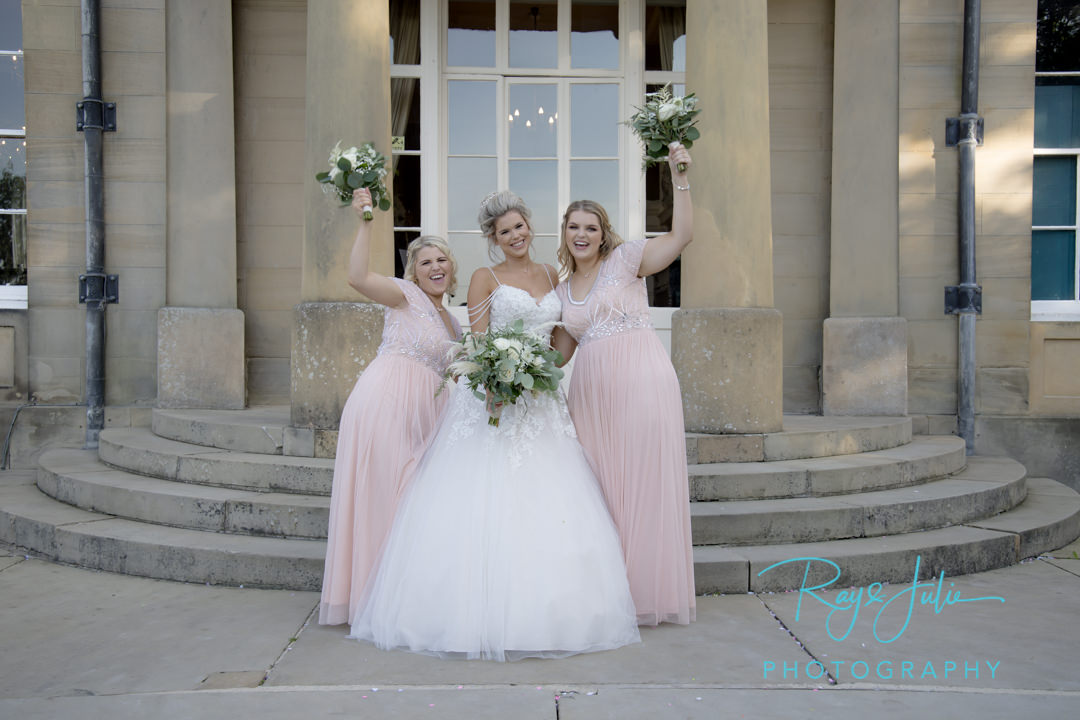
(94,113)
(963,299)
(99,288)
(965,127)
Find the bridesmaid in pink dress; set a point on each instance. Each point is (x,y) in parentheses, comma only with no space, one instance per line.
(624,396)
(391,414)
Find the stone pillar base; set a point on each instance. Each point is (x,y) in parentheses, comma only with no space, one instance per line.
(730,367)
(332,343)
(864,366)
(200,358)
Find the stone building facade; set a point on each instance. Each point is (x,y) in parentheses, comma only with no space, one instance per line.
(825,196)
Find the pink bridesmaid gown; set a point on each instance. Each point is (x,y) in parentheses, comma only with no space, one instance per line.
(388,420)
(625,402)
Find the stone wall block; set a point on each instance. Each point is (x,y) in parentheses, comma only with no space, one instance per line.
(864,370)
(332,343)
(729,363)
(200,361)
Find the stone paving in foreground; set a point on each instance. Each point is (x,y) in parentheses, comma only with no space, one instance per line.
(87,645)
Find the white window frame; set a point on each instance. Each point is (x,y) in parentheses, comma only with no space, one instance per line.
(1062,310)
(13,297)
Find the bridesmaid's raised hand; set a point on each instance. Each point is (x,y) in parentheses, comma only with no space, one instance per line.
(361,198)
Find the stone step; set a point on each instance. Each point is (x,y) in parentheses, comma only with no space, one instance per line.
(30,519)
(253,430)
(262,430)
(924,458)
(1047,519)
(803,436)
(140,451)
(80,478)
(986,487)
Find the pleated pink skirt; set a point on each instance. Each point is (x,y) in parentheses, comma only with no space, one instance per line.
(388,420)
(626,405)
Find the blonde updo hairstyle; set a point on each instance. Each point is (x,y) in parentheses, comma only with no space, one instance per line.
(426,241)
(494,207)
(609,239)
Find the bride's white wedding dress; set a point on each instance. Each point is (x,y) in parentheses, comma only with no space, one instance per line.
(502,547)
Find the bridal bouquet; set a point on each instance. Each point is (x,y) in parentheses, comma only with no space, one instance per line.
(357,167)
(664,120)
(506,363)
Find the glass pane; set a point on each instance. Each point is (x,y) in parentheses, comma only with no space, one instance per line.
(594,34)
(402,238)
(12,173)
(596,180)
(1058,36)
(10,24)
(12,107)
(658,199)
(1057,112)
(471,117)
(533,120)
(1054,197)
(405,31)
(665,36)
(12,249)
(1053,265)
(471,252)
(533,34)
(594,120)
(405,113)
(536,181)
(468,181)
(470,35)
(664,286)
(407,191)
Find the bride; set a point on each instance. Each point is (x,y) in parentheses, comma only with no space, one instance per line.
(502,547)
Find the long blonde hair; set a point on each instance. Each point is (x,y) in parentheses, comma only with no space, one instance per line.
(609,239)
(439,244)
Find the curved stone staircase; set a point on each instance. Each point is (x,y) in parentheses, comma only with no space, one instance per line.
(207,496)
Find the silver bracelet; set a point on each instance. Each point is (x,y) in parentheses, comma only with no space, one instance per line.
(681,187)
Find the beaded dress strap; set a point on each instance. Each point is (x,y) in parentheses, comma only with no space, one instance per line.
(480,309)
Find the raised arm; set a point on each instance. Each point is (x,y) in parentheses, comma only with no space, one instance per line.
(662,250)
(379,288)
(481,285)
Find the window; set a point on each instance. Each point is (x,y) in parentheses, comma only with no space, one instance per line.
(12,157)
(534,93)
(1055,260)
(406,86)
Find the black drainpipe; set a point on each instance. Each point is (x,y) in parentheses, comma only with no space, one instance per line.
(966,132)
(93,118)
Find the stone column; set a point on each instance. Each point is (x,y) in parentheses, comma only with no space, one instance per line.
(200,330)
(864,363)
(727,340)
(348,99)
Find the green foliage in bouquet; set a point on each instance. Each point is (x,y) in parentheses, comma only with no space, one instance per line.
(356,167)
(506,363)
(663,120)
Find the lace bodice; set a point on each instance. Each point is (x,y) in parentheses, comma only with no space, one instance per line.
(508,303)
(533,417)
(618,302)
(416,330)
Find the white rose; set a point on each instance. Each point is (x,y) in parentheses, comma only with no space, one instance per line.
(667,111)
(502,344)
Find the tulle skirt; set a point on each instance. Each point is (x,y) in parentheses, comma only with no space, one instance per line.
(388,420)
(503,547)
(627,407)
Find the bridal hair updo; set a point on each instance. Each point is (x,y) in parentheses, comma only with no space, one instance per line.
(609,239)
(493,207)
(425,241)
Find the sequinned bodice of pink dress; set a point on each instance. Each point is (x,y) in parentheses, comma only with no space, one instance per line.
(617,303)
(416,331)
